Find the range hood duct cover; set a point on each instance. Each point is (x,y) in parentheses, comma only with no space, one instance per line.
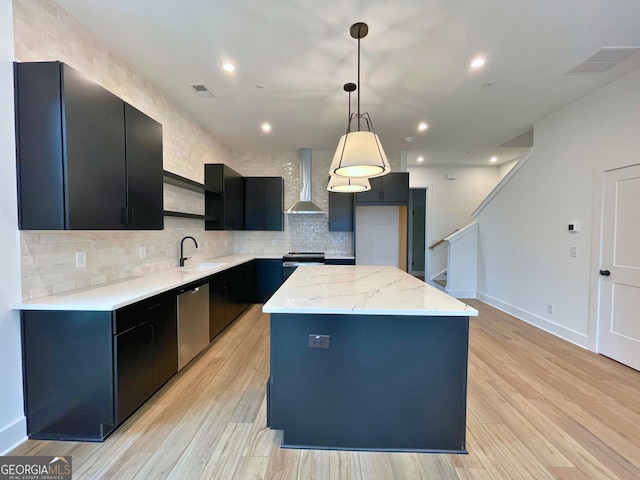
(305,205)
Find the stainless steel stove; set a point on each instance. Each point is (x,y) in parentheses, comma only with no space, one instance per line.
(297,259)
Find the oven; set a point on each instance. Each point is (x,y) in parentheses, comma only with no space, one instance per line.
(293,260)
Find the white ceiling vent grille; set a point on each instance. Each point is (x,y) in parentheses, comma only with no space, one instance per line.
(202,91)
(603,60)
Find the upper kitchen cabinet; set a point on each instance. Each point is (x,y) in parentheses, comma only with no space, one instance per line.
(340,212)
(264,203)
(390,189)
(86,159)
(224,198)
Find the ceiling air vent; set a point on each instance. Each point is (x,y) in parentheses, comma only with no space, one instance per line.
(202,91)
(603,60)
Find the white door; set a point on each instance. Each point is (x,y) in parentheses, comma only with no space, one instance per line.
(619,330)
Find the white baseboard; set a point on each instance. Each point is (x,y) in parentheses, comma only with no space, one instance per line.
(565,333)
(13,435)
(461,293)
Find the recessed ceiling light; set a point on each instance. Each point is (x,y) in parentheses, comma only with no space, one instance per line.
(228,67)
(421,159)
(422,127)
(265,127)
(478,62)
(493,159)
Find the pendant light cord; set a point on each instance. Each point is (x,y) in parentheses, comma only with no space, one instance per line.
(359,85)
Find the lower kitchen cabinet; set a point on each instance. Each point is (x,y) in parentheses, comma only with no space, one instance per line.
(268,278)
(85,372)
(231,292)
(145,355)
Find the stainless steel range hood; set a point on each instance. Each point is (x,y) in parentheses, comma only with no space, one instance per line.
(305,205)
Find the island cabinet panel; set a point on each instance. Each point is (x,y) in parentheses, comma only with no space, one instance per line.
(85,372)
(340,212)
(224,198)
(383,382)
(390,189)
(86,160)
(264,203)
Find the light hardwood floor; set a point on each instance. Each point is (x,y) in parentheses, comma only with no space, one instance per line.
(538,408)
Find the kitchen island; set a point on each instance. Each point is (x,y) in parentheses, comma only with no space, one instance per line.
(367,358)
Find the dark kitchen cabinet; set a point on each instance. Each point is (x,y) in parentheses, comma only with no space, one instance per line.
(146,355)
(85,372)
(264,203)
(390,189)
(224,198)
(340,212)
(268,278)
(230,293)
(85,159)
(340,261)
(143,137)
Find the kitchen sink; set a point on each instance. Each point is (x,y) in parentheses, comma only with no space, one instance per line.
(203,267)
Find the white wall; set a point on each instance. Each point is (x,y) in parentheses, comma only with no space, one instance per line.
(524,246)
(12,420)
(506,167)
(451,203)
(378,236)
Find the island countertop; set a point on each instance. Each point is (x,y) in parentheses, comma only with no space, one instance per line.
(362,290)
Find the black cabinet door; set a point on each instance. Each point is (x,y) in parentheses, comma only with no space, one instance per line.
(390,189)
(340,212)
(219,309)
(164,334)
(395,188)
(254,218)
(143,137)
(274,203)
(264,203)
(95,154)
(233,200)
(374,195)
(134,369)
(224,198)
(71,151)
(268,278)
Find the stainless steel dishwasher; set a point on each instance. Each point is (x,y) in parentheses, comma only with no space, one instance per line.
(193,321)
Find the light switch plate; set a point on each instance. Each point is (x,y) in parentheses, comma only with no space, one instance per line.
(142,252)
(81,259)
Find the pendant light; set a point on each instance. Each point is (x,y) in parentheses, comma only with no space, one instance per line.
(346,184)
(359,153)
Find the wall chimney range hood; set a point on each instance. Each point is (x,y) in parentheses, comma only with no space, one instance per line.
(305,205)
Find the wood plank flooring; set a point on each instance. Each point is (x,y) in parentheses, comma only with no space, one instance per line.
(538,408)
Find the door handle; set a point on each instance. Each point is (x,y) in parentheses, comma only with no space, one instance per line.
(605,273)
(152,329)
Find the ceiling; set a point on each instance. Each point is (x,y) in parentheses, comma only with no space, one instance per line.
(415,66)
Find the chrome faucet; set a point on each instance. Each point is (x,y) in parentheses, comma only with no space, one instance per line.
(182,257)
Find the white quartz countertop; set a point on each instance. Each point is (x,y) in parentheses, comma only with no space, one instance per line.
(362,290)
(125,292)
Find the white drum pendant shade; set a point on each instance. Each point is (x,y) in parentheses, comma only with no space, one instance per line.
(348,185)
(359,155)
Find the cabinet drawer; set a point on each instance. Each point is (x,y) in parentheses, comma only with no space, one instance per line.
(132,315)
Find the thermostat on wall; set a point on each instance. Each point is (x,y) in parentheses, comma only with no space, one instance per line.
(573,227)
